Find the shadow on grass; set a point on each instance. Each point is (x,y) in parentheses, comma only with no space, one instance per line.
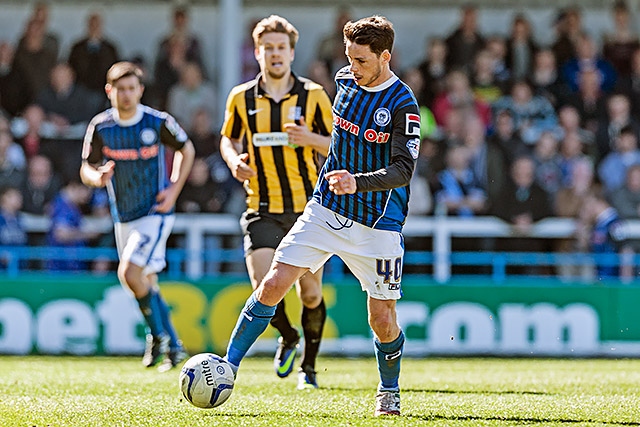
(447,391)
(528,420)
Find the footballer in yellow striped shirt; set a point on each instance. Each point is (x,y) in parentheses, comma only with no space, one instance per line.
(275,134)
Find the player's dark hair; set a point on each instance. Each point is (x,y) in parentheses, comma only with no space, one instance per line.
(375,31)
(123,69)
(275,24)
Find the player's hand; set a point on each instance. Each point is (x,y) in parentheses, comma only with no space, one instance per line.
(298,133)
(106,172)
(240,169)
(341,182)
(166,199)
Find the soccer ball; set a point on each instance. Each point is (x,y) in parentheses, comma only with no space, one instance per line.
(206,380)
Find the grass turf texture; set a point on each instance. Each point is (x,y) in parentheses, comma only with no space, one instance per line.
(70,391)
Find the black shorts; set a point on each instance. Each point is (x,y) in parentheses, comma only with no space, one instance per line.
(265,230)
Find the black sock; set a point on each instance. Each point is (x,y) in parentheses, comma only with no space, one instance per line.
(312,324)
(280,321)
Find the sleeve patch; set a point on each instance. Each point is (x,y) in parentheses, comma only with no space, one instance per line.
(412,127)
(414,147)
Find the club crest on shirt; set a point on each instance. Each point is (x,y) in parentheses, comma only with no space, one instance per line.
(414,147)
(148,136)
(382,117)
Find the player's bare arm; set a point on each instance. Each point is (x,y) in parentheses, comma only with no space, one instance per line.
(182,162)
(301,135)
(96,176)
(236,161)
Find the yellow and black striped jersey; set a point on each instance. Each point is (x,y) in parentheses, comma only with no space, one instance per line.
(286,174)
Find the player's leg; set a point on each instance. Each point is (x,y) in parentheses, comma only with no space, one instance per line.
(259,309)
(141,246)
(379,270)
(262,234)
(132,277)
(176,352)
(314,315)
(388,346)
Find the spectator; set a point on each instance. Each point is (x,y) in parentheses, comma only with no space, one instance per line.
(590,101)
(32,63)
(484,84)
(531,114)
(41,186)
(319,73)
(331,47)
(569,121)
(620,44)
(570,152)
(459,96)
(92,56)
(31,129)
(587,58)
(434,70)
(521,48)
(613,168)
(200,194)
(545,79)
(66,229)
(568,203)
(12,159)
(506,138)
(205,140)
(548,173)
(626,199)
(616,115)
(629,85)
(522,203)
(497,47)
(607,238)
(40,14)
(66,104)
(568,25)
(487,162)
(176,49)
(11,94)
(190,95)
(12,232)
(459,191)
(465,41)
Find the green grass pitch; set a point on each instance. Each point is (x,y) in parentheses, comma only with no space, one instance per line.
(118,392)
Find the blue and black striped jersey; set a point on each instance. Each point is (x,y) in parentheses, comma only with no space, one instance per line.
(137,146)
(376,137)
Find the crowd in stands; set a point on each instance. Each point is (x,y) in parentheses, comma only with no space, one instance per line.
(511,128)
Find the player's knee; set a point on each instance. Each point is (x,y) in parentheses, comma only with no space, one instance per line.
(311,299)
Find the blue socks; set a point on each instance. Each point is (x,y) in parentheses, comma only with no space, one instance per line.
(253,320)
(165,317)
(151,313)
(389,356)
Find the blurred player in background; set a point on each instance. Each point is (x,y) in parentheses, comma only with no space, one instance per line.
(359,204)
(124,150)
(285,121)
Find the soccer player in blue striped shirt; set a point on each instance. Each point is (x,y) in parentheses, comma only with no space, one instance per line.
(359,204)
(124,150)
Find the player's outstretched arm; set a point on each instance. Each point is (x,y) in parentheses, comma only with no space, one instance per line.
(96,176)
(236,161)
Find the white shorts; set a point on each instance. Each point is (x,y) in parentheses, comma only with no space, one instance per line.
(373,256)
(143,241)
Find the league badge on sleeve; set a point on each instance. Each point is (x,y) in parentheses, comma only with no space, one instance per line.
(413,125)
(414,147)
